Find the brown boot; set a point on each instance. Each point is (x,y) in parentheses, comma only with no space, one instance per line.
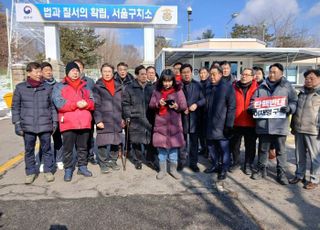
(310,185)
(272,154)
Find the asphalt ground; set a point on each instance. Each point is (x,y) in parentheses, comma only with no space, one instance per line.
(192,211)
(134,199)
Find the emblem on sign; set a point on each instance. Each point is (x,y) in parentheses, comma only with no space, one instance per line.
(167,15)
(27,9)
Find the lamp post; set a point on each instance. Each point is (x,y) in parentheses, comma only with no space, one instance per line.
(189,11)
(233,16)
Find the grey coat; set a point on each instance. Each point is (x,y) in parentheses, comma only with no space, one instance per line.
(276,126)
(307,117)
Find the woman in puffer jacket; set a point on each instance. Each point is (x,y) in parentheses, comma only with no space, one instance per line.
(169,101)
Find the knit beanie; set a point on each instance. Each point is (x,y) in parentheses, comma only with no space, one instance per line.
(70,66)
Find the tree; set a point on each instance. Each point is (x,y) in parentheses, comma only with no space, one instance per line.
(250,31)
(288,34)
(131,55)
(3,41)
(160,42)
(206,34)
(79,43)
(278,30)
(113,52)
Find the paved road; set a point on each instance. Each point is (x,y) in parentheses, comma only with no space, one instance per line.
(205,211)
(10,144)
(134,199)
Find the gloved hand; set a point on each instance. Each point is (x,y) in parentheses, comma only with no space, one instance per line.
(54,127)
(285,109)
(251,111)
(227,131)
(18,130)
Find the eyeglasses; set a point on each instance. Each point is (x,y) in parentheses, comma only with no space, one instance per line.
(246,74)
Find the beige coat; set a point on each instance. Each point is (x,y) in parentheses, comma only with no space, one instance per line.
(307,117)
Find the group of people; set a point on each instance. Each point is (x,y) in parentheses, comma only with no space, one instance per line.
(165,119)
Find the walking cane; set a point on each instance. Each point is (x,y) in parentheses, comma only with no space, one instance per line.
(125,155)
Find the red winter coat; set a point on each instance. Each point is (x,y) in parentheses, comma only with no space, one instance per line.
(65,98)
(242,117)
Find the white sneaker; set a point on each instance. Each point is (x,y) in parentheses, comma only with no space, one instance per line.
(60,165)
(41,168)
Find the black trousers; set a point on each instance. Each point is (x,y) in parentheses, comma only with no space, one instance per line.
(250,137)
(78,138)
(137,153)
(107,153)
(193,148)
(90,141)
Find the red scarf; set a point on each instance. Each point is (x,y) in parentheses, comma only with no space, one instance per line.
(110,85)
(74,84)
(164,94)
(33,83)
(178,78)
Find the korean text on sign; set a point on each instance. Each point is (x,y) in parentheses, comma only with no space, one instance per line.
(269,107)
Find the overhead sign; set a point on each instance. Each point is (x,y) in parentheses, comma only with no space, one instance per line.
(269,107)
(94,13)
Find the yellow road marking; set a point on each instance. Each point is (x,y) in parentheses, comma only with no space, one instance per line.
(13,161)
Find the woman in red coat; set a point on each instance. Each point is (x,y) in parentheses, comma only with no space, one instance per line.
(169,101)
(74,102)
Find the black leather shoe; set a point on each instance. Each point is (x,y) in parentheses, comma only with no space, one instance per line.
(295,180)
(93,161)
(247,169)
(194,168)
(212,169)
(260,174)
(138,166)
(222,175)
(282,179)
(234,167)
(180,167)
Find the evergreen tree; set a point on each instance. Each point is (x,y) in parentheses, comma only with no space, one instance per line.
(206,34)
(79,43)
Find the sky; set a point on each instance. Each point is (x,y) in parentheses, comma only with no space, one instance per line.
(213,14)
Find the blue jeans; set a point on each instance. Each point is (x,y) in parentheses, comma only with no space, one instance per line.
(45,145)
(171,154)
(219,152)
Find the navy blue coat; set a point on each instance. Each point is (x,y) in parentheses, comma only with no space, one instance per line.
(221,107)
(203,111)
(193,95)
(33,108)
